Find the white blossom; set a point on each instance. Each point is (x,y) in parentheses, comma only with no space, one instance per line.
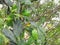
(1,6)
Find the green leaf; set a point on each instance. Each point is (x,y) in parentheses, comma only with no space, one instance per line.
(26,12)
(2,42)
(41,34)
(30,41)
(35,34)
(1,22)
(14,8)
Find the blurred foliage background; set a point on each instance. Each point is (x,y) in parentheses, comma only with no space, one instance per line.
(29,22)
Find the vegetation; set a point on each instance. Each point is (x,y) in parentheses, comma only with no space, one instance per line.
(30,22)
